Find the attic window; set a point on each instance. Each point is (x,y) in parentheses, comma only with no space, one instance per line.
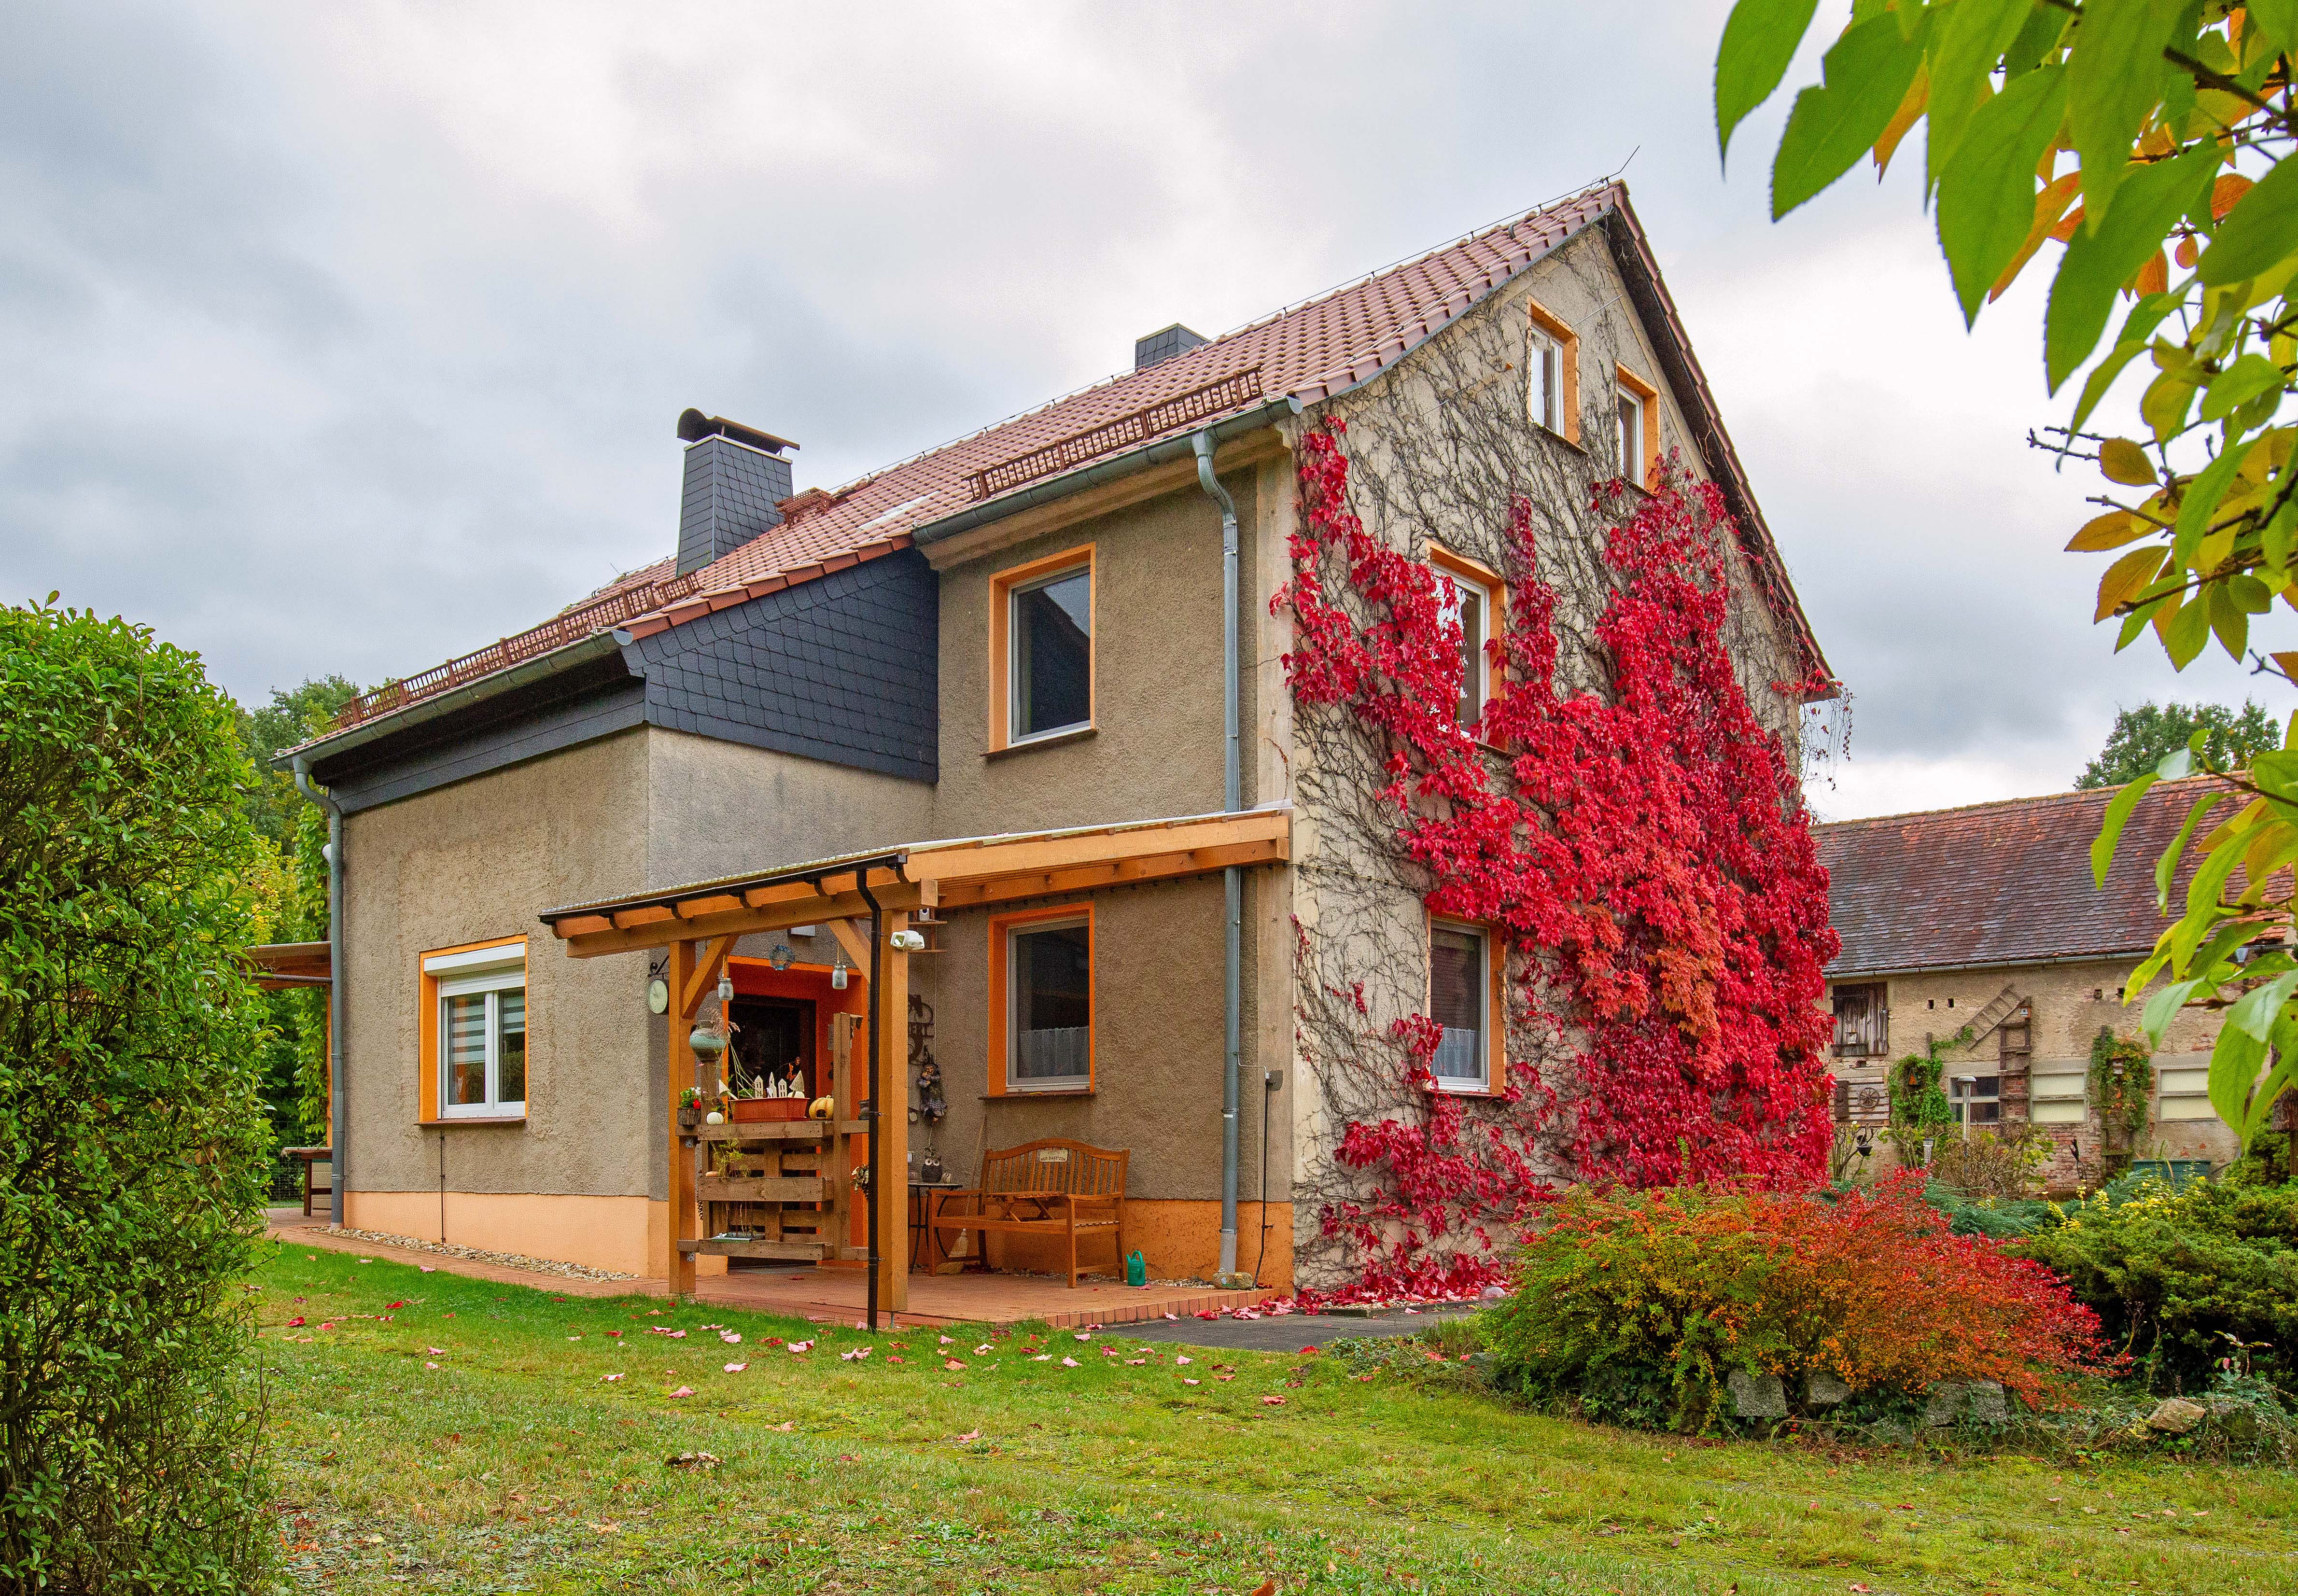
(1638,429)
(1552,364)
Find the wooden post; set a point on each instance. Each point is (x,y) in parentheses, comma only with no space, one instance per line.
(892,1004)
(679,1221)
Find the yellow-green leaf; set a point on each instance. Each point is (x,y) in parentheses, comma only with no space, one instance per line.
(1987,193)
(2109,531)
(2126,462)
(1865,75)
(1760,41)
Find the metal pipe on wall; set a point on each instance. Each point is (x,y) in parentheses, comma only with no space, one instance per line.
(1232,878)
(870,1114)
(338,1113)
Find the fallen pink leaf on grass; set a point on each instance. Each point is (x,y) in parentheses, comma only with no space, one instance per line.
(969,1436)
(1184,1358)
(297,1322)
(605,1379)
(1186,1381)
(1272,1401)
(735,1369)
(436,1352)
(396,1306)
(1135,1362)
(951,1363)
(1071,1363)
(896,1357)
(683,1391)
(730,1337)
(428,1364)
(947,1340)
(982,1352)
(428,1268)
(783,1428)
(801,1346)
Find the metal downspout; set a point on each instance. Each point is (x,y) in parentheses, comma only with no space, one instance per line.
(871,1112)
(338,1108)
(1232,878)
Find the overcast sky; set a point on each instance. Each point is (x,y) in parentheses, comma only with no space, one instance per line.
(347,338)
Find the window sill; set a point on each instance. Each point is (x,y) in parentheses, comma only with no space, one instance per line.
(1008,1096)
(1441,1090)
(460,1120)
(1051,741)
(1573,444)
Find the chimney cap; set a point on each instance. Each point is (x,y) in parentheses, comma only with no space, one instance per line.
(693,427)
(1164,344)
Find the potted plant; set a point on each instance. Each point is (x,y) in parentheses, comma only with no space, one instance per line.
(690,1109)
(770,1100)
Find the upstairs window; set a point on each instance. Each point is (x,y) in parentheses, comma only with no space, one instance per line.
(1552,367)
(1862,1021)
(1041,638)
(1476,600)
(1459,1000)
(1638,429)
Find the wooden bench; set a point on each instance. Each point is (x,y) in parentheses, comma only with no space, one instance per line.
(310,1156)
(1047,1187)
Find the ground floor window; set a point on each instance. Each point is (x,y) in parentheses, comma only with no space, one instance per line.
(1977,1099)
(2055,1095)
(2182,1088)
(479,1028)
(1459,1000)
(1047,987)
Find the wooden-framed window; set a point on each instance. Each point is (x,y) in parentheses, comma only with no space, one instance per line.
(472,1033)
(1638,429)
(1478,601)
(1464,1000)
(1976,1099)
(1863,1020)
(1041,624)
(1041,1002)
(1552,367)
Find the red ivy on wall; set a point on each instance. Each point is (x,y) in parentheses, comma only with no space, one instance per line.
(1647,857)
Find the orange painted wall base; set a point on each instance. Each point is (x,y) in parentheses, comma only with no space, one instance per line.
(623,1234)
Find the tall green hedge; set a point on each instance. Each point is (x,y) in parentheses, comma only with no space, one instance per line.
(132,1139)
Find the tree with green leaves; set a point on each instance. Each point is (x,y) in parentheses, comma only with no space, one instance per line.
(2143,737)
(294,714)
(132,1141)
(2139,146)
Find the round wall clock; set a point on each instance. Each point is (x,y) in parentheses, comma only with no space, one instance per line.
(658,996)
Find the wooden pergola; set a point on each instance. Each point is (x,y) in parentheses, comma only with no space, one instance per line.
(867,900)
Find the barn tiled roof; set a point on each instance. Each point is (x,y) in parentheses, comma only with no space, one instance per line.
(2005,883)
(1306,352)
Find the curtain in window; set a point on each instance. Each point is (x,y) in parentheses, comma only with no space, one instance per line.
(467,1049)
(1456,983)
(1052,1004)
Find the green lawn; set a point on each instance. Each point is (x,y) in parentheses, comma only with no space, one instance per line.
(471,1442)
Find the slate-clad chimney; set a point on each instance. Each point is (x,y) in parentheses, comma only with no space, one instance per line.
(1163,345)
(735,476)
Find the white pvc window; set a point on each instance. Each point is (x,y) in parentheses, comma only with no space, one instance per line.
(1632,438)
(482,1032)
(1049,1007)
(2182,1086)
(1459,992)
(1469,603)
(1547,362)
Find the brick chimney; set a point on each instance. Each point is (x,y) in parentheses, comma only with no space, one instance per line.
(735,476)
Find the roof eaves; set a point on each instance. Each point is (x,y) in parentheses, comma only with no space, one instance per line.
(598,645)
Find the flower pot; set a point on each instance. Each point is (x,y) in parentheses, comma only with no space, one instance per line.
(689,1117)
(766,1111)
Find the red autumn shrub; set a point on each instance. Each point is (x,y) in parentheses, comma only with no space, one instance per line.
(1642,1304)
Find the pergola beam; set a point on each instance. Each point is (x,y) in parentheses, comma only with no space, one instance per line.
(812,909)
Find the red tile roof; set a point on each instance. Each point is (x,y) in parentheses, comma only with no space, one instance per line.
(1308,353)
(2005,883)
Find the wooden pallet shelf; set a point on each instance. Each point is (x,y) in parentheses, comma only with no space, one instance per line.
(762,1188)
(779,1130)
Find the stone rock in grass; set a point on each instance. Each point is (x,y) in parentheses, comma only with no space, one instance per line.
(2236,1420)
(1822,1389)
(1983,1399)
(2176,1417)
(1758,1396)
(1947,1400)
